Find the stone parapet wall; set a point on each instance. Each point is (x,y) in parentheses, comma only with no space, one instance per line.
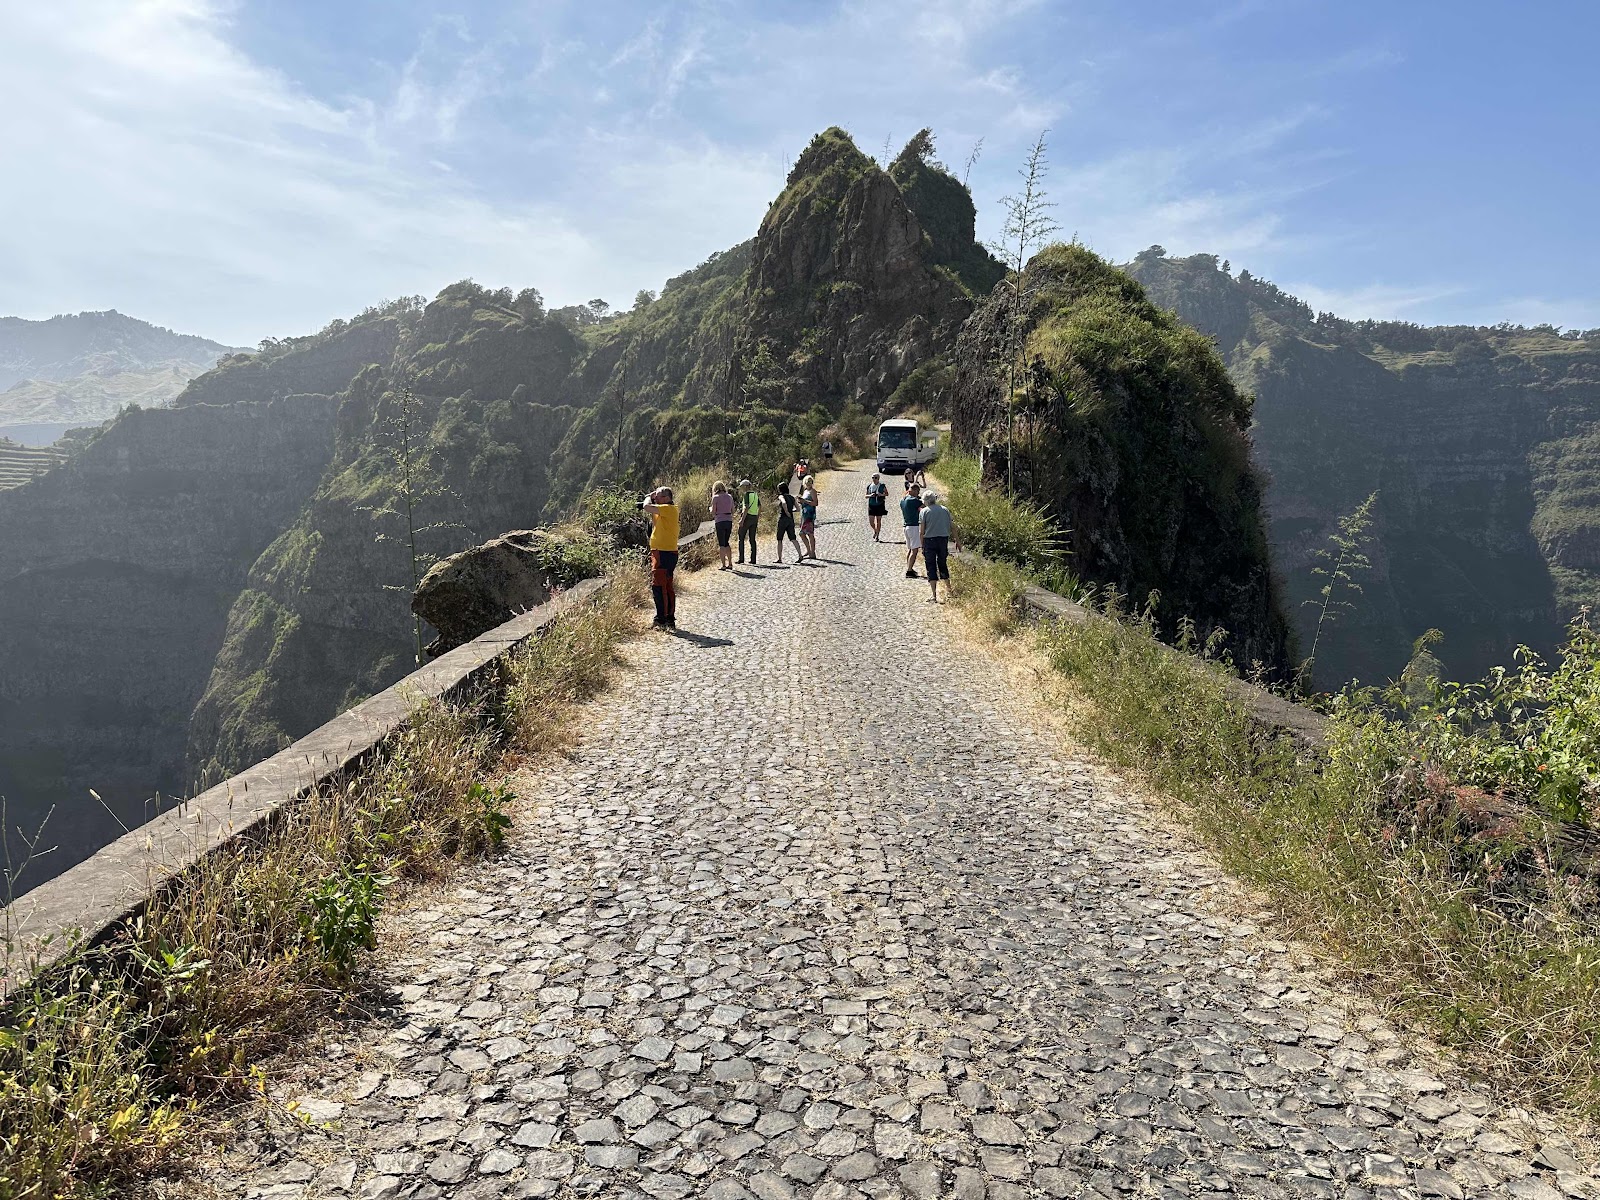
(90,900)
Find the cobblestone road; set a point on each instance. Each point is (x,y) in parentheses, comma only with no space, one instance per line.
(819,910)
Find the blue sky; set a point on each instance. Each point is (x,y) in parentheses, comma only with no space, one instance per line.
(257,168)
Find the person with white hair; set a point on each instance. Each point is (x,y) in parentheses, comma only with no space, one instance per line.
(938,529)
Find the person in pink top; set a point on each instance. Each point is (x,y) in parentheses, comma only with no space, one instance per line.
(722,514)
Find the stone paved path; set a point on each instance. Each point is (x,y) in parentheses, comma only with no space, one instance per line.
(818,910)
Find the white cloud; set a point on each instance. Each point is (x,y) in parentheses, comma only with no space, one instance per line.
(162,171)
(1374,301)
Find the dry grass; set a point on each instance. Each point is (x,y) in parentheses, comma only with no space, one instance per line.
(111,1062)
(1509,979)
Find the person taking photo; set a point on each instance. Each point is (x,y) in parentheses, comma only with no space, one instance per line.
(662,510)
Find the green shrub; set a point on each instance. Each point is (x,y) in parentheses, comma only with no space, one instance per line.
(1002,529)
(342,920)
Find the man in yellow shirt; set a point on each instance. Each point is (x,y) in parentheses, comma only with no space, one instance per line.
(662,510)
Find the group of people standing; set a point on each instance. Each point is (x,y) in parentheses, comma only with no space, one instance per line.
(662,508)
(930,530)
(725,505)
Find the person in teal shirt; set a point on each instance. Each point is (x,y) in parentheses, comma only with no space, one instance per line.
(911,516)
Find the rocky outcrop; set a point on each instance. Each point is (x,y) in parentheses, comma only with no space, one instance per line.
(470,593)
(1481,444)
(840,297)
(117,571)
(1124,426)
(844,283)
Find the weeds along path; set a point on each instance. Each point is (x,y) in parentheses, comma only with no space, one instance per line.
(818,909)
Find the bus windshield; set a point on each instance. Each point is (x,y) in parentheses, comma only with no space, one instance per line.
(897,437)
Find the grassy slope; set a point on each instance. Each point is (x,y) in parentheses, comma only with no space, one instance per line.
(1467,935)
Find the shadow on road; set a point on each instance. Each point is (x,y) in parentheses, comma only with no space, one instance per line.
(704,641)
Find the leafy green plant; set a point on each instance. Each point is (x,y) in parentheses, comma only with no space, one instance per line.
(1002,528)
(492,802)
(342,916)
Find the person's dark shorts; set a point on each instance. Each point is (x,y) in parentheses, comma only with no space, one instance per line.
(877,508)
(725,534)
(936,555)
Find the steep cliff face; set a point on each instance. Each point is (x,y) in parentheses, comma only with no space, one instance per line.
(1481,445)
(117,571)
(1125,426)
(844,284)
(324,618)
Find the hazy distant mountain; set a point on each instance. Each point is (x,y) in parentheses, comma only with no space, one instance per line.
(80,370)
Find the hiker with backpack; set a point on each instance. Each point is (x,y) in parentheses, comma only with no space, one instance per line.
(808,515)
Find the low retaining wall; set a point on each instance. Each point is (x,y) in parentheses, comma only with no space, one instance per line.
(91,899)
(1271,711)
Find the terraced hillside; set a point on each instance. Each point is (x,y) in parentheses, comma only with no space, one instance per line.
(18,464)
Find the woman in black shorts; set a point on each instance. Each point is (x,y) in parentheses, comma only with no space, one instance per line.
(877,506)
(786,506)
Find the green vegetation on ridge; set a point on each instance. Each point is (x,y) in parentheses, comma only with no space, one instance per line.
(1128,431)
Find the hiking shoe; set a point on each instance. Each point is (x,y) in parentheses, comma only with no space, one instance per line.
(912,575)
